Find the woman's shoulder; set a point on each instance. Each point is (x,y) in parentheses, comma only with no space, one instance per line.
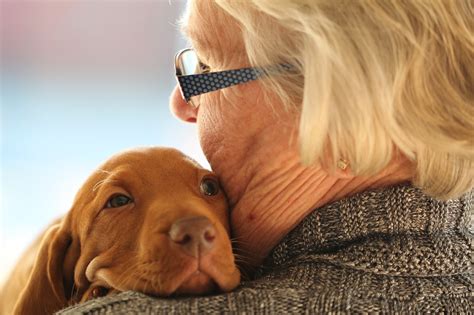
(311,287)
(387,250)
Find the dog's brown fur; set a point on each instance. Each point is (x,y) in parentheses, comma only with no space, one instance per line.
(128,247)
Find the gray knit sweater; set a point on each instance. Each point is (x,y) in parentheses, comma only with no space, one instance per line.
(391,250)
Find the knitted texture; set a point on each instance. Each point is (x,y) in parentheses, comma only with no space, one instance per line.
(391,250)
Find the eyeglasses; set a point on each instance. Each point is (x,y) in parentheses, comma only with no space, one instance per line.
(195,79)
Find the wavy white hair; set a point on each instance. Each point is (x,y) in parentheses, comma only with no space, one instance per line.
(376,77)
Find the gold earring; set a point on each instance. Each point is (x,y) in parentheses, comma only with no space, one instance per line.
(342,164)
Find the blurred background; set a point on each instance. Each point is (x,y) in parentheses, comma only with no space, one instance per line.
(80,80)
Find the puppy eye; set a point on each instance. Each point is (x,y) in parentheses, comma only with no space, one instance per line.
(209,186)
(118,200)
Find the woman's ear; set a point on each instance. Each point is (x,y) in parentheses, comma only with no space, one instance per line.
(47,289)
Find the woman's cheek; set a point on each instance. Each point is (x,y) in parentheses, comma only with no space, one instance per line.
(210,124)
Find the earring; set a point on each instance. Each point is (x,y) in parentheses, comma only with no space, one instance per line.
(342,164)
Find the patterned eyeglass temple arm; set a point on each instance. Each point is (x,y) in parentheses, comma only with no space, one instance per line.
(197,84)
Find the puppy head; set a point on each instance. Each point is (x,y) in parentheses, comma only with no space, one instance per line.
(152,220)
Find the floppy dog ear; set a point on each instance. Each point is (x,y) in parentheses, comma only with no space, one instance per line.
(47,288)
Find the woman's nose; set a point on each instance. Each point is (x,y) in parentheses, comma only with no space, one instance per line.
(180,108)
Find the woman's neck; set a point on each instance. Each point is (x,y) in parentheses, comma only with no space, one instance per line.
(280,195)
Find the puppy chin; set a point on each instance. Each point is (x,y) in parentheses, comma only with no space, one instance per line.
(92,269)
(96,274)
(198,283)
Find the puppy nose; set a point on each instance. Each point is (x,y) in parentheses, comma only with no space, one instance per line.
(194,235)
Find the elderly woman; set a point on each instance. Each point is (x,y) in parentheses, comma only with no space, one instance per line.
(342,132)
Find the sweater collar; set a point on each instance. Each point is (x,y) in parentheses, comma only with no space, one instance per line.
(396,230)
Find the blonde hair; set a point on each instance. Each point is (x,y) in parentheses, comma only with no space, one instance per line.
(376,77)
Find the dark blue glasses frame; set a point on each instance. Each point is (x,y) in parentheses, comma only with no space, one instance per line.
(200,83)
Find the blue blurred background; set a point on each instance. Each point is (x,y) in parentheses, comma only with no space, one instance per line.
(80,80)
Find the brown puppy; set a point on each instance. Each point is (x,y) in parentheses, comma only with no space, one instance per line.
(150,220)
